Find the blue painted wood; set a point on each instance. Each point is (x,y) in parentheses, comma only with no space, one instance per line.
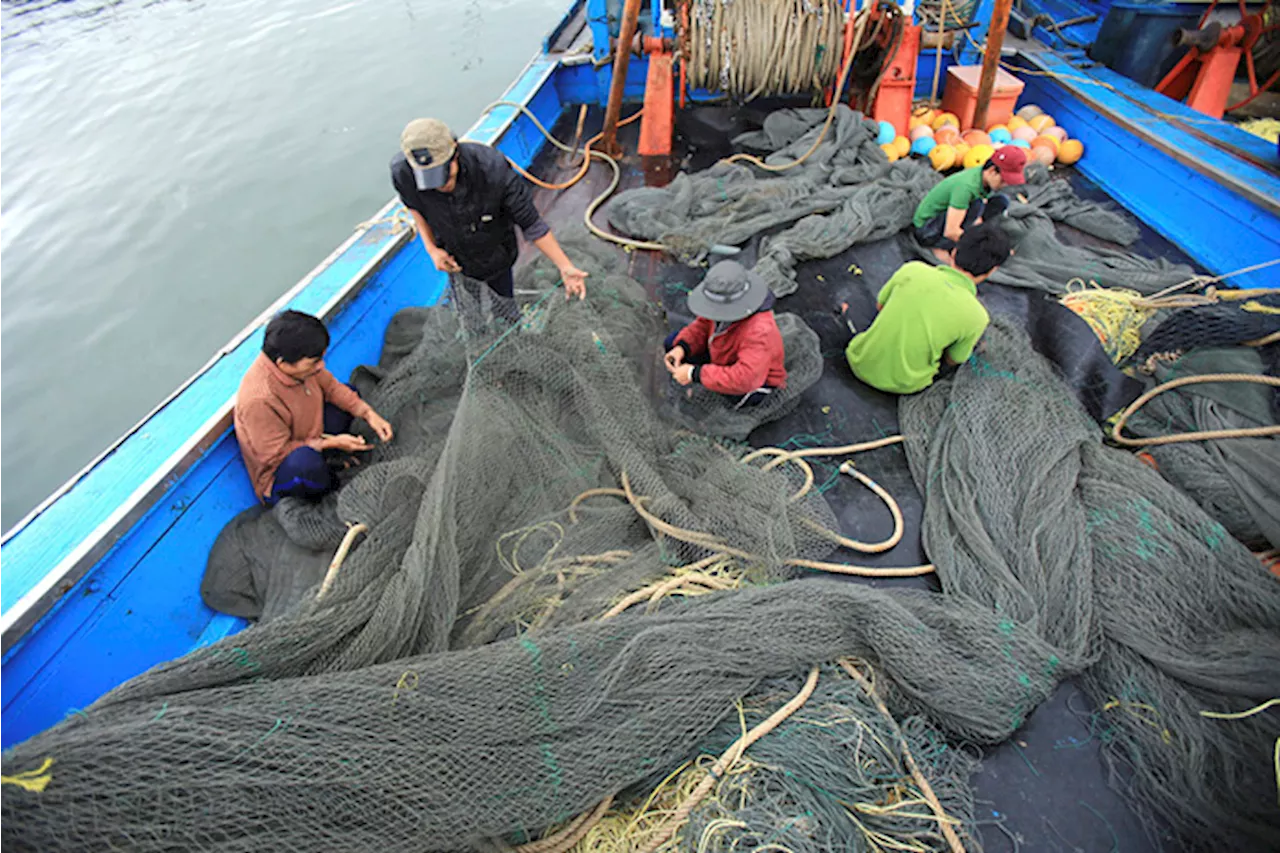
(1218,227)
(598,21)
(140,604)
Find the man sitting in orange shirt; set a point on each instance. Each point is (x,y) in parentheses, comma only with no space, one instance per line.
(290,412)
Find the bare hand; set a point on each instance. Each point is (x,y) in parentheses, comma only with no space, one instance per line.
(347,442)
(674,357)
(683,374)
(444,261)
(380,426)
(575,281)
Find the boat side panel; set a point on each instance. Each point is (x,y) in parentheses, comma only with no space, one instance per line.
(1219,228)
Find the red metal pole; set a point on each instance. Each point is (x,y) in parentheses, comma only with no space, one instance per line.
(621,59)
(991,61)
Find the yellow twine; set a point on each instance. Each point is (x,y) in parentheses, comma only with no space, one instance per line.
(34,781)
(1116,316)
(408,681)
(1133,708)
(1270,703)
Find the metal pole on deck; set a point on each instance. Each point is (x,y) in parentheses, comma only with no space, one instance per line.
(991,61)
(621,59)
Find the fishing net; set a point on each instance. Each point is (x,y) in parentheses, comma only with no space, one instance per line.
(1124,576)
(1242,318)
(1043,261)
(845,192)
(1235,480)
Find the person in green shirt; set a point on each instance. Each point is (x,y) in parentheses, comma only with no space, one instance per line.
(964,200)
(929,315)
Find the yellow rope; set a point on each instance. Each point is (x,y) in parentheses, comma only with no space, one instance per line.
(34,781)
(1275,756)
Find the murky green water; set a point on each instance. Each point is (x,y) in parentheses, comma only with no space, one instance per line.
(167,169)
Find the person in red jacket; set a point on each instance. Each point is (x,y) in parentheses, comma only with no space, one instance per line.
(734,347)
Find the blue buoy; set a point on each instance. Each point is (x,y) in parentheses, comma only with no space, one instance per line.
(1021,143)
(1000,136)
(923,146)
(887,133)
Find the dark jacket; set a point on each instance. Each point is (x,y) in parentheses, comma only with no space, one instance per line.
(745,355)
(475,223)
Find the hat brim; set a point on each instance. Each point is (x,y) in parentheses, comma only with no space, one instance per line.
(727,312)
(432,177)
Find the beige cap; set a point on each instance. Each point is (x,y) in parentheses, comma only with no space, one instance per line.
(428,145)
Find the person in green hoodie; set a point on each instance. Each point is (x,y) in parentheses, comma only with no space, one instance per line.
(929,316)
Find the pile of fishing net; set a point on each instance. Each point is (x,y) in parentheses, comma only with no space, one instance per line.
(562,601)
(1236,480)
(845,192)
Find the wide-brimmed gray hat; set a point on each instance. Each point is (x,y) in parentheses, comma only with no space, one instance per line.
(728,292)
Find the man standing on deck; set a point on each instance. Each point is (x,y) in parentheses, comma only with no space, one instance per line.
(961,201)
(466,200)
(929,315)
(292,416)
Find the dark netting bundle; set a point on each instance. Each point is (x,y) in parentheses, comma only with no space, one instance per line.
(845,192)
(1241,319)
(1121,573)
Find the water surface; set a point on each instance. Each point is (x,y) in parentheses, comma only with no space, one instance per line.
(167,169)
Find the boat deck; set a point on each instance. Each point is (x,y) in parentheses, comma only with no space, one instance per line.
(1047,789)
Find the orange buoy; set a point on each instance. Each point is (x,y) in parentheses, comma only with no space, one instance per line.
(976,137)
(1041,122)
(978,156)
(890,150)
(942,157)
(1046,141)
(902,144)
(1070,151)
(945,118)
(1043,155)
(996,127)
(946,135)
(961,148)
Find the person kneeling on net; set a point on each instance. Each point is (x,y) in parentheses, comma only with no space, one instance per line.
(964,200)
(292,416)
(929,315)
(734,346)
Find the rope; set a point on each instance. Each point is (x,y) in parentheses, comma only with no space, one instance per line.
(944,820)
(747,48)
(339,556)
(1204,435)
(726,761)
(831,113)
(568,837)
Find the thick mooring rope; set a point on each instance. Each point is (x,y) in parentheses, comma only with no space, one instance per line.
(1205,435)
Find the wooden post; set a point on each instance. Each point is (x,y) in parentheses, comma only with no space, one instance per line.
(991,61)
(621,59)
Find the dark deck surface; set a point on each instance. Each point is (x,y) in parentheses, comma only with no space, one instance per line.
(1047,789)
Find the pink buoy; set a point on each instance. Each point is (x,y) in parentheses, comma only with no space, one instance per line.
(920,131)
(1058,133)
(1025,133)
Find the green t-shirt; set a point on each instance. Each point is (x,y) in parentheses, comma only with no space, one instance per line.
(927,312)
(957,191)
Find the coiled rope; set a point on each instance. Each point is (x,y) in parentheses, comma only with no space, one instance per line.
(1204,435)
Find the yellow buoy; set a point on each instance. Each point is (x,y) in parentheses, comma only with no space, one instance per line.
(890,150)
(1070,151)
(995,127)
(942,157)
(920,117)
(1048,142)
(1015,123)
(1041,122)
(961,148)
(978,156)
(902,144)
(945,118)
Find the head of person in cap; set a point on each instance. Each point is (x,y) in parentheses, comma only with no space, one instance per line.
(734,346)
(466,202)
(967,198)
(429,147)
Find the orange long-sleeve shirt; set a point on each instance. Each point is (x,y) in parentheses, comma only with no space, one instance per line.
(276,414)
